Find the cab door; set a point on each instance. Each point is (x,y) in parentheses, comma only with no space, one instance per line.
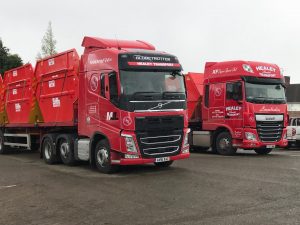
(216,103)
(234,108)
(92,106)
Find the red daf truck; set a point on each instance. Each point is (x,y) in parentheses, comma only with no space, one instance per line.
(122,103)
(237,104)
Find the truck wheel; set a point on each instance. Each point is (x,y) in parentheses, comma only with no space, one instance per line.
(2,146)
(66,149)
(224,144)
(48,150)
(103,159)
(263,151)
(163,164)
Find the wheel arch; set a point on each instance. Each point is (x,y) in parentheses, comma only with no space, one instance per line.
(60,137)
(97,136)
(218,131)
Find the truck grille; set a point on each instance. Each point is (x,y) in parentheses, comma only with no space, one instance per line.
(152,146)
(159,136)
(269,131)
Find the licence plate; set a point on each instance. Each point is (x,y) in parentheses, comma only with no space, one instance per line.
(270,146)
(162,159)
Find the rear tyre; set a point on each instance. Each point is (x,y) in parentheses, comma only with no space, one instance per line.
(263,151)
(163,164)
(224,144)
(2,146)
(66,150)
(103,158)
(48,150)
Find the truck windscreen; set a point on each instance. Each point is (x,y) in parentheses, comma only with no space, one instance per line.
(265,93)
(135,82)
(152,90)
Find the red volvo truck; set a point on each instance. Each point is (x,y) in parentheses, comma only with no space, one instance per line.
(122,103)
(237,104)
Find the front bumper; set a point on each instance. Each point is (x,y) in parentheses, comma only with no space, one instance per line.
(140,161)
(250,144)
(124,157)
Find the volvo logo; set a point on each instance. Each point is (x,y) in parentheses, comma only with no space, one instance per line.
(159,106)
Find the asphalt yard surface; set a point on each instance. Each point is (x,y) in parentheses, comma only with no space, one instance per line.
(205,189)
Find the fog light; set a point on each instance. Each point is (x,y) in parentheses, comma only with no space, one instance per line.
(129,156)
(250,136)
(186,150)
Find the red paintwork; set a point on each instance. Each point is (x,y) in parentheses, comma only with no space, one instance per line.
(194,85)
(57,88)
(67,91)
(19,94)
(212,118)
(223,71)
(94,42)
(2,93)
(94,108)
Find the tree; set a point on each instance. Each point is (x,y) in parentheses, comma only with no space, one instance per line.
(48,43)
(8,61)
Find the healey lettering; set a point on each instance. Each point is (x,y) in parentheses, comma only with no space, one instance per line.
(266,68)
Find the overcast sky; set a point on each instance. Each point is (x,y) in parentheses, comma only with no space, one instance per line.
(195,31)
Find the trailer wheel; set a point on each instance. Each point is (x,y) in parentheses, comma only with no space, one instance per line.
(103,158)
(224,144)
(66,149)
(163,164)
(263,151)
(2,146)
(48,150)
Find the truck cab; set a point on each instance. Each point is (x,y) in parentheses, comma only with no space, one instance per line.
(243,106)
(132,105)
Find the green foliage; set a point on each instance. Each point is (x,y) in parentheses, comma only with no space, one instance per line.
(8,61)
(48,44)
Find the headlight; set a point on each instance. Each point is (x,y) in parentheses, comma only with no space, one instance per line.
(129,142)
(250,136)
(186,139)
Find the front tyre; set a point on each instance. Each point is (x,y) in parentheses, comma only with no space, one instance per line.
(163,164)
(263,151)
(103,158)
(224,144)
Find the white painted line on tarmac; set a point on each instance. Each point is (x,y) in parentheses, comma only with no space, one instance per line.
(8,186)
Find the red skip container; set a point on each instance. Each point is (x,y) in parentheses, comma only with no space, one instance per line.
(19,96)
(57,88)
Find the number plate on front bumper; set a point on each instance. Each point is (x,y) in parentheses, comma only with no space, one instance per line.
(163,159)
(270,146)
